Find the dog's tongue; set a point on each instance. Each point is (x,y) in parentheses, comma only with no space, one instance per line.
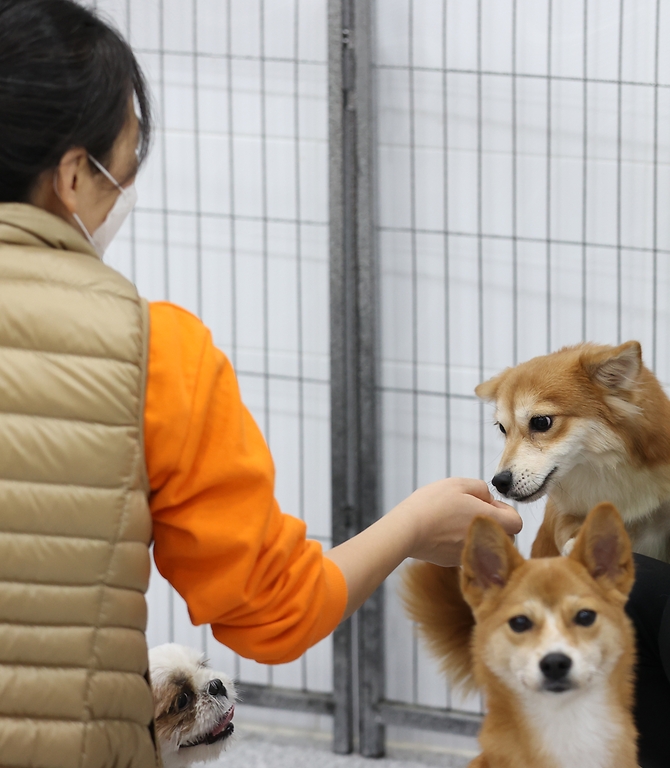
(226,720)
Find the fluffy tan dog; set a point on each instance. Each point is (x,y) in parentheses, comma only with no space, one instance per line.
(586,424)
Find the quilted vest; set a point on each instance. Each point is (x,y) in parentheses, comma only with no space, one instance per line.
(74,518)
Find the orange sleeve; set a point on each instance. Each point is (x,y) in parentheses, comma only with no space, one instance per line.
(220,538)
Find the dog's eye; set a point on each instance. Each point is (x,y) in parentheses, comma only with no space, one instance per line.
(182,701)
(520,623)
(541,423)
(585,618)
(501,428)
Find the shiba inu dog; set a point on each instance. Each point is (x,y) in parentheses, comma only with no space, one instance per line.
(546,639)
(586,424)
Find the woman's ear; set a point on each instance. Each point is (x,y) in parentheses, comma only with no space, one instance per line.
(67,180)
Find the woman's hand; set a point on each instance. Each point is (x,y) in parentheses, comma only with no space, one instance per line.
(438,516)
(431,524)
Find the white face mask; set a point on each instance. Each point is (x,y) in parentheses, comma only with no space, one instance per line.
(124,204)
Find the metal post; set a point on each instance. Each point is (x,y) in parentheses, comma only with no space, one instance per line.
(342,507)
(354,416)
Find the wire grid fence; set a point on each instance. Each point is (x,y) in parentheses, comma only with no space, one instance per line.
(522,175)
(232,224)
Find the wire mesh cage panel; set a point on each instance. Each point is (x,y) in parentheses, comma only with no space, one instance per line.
(523,174)
(232,224)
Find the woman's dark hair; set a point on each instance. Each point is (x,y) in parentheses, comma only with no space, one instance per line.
(65,81)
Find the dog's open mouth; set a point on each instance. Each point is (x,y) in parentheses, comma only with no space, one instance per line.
(219,733)
(538,492)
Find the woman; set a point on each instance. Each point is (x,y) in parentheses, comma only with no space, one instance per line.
(122,422)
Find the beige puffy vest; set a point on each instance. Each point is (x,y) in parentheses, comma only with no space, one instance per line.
(74,518)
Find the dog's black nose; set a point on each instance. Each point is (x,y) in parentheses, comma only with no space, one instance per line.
(503,481)
(555,666)
(216,688)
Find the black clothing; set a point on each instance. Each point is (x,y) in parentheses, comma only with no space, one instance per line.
(649,608)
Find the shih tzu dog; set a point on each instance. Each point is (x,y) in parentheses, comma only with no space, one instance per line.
(193,706)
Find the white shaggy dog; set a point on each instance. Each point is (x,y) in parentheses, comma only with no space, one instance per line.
(193,705)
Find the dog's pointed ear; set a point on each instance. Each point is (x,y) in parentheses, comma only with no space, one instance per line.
(489,557)
(488,390)
(603,547)
(616,368)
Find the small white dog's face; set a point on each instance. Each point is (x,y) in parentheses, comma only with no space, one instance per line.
(193,705)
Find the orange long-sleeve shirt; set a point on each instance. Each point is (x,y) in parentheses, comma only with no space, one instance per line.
(219,536)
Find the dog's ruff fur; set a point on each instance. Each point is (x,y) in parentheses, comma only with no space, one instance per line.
(609,440)
(586,721)
(193,705)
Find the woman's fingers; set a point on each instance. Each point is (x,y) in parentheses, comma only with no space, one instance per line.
(477,488)
(506,515)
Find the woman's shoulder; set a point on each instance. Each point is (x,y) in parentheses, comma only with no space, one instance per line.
(172,327)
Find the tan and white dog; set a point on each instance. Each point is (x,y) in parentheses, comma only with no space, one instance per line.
(193,705)
(546,639)
(586,424)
